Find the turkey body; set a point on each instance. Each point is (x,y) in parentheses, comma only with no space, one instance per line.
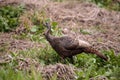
(68,46)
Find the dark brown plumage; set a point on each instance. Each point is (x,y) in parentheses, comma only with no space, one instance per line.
(68,46)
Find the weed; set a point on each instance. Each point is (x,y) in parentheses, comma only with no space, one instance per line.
(89,66)
(109,4)
(84,31)
(92,67)
(9,17)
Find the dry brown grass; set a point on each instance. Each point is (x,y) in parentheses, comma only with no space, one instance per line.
(103,25)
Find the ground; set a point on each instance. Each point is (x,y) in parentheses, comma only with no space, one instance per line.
(99,26)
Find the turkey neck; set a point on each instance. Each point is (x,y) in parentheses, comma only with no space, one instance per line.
(48,35)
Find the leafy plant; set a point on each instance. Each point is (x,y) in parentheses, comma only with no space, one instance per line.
(11,74)
(9,17)
(91,66)
(109,4)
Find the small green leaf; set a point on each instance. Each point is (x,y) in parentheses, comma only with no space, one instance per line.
(84,31)
(34,29)
(47,20)
(54,24)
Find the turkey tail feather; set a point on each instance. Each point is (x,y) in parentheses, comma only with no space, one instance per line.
(94,51)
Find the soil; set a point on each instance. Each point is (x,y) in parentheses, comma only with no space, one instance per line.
(102,25)
(99,26)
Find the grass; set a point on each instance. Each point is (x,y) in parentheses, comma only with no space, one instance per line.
(108,4)
(89,66)
(9,17)
(11,74)
(92,67)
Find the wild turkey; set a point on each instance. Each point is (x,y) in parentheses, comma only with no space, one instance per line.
(68,46)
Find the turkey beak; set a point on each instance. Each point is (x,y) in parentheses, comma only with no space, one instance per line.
(45,24)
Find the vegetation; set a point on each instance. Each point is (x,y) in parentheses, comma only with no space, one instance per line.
(90,66)
(9,17)
(109,4)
